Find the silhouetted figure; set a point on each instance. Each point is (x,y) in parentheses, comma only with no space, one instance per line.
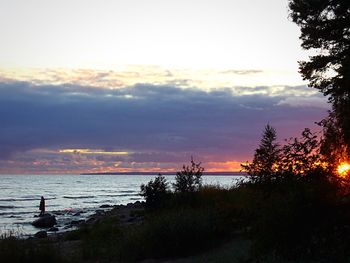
(42,206)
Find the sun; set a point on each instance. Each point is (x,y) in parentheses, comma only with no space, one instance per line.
(343,169)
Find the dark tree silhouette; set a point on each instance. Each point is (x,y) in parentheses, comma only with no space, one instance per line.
(301,155)
(265,157)
(325,28)
(333,147)
(189,179)
(155,191)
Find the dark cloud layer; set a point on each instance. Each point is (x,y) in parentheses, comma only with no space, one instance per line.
(145,119)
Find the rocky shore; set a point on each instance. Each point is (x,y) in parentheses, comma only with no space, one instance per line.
(129,214)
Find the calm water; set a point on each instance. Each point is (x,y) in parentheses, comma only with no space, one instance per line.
(70,197)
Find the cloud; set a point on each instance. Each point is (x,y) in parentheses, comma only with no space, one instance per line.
(206,79)
(317,101)
(158,123)
(242,72)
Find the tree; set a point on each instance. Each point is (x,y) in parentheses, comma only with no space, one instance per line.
(325,29)
(189,179)
(333,148)
(266,157)
(155,191)
(301,155)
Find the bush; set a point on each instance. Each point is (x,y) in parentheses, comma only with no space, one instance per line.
(155,192)
(173,233)
(103,240)
(21,251)
(189,179)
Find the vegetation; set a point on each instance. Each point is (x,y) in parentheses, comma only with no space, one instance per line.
(155,192)
(266,157)
(297,214)
(189,179)
(17,250)
(325,29)
(294,207)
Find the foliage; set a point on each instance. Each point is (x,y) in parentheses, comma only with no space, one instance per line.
(297,157)
(176,233)
(301,155)
(102,241)
(155,191)
(333,147)
(167,233)
(265,158)
(325,28)
(189,179)
(16,250)
(295,212)
(300,218)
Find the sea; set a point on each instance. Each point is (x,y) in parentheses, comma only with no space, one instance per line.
(72,197)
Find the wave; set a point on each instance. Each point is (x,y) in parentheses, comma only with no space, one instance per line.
(120,195)
(117,191)
(79,197)
(3,207)
(126,191)
(92,202)
(24,199)
(7,206)
(16,213)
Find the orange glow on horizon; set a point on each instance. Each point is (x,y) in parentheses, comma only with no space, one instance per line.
(229,166)
(343,169)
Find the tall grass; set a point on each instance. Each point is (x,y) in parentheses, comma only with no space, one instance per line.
(14,250)
(167,234)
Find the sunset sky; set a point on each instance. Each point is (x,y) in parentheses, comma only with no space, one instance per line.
(136,85)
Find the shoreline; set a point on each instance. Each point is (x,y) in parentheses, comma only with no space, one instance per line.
(128,214)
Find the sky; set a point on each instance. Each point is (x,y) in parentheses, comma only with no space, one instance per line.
(135,85)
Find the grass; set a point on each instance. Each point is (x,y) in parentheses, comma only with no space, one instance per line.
(18,250)
(165,234)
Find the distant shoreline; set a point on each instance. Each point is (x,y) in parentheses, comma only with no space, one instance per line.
(167,173)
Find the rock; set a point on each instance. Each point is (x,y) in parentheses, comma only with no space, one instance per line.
(99,212)
(105,206)
(41,234)
(59,213)
(46,221)
(77,222)
(53,229)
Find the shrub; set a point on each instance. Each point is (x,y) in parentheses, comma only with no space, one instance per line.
(189,179)
(155,191)
(172,233)
(102,241)
(16,250)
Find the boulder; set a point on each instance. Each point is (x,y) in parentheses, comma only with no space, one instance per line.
(45,221)
(77,222)
(41,234)
(53,229)
(105,206)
